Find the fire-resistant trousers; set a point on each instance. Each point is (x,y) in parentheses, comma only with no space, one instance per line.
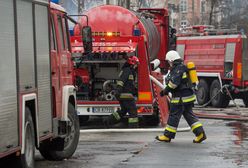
(176,111)
(127,106)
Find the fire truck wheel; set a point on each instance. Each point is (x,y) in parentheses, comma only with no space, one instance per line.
(26,160)
(202,94)
(219,100)
(70,141)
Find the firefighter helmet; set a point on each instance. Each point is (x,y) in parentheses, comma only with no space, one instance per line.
(133,60)
(172,56)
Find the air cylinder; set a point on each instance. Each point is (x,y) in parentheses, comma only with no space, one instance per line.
(192,73)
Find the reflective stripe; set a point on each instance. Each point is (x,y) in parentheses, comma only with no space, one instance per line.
(175,100)
(126,95)
(172,85)
(133,120)
(184,75)
(184,99)
(130,77)
(196,125)
(120,83)
(171,129)
(116,115)
(188,99)
(120,73)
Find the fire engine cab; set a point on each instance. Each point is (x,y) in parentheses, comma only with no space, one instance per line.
(37,95)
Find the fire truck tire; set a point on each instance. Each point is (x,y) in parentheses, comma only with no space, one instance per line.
(220,100)
(70,141)
(202,94)
(26,160)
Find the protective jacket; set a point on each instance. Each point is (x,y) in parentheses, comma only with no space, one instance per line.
(178,83)
(126,82)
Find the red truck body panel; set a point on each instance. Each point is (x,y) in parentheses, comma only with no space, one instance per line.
(209,54)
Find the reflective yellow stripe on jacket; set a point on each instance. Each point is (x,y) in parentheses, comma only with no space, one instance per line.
(184,99)
(120,83)
(184,75)
(126,96)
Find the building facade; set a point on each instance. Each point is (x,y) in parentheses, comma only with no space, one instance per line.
(186,13)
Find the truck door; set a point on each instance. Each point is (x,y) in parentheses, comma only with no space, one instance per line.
(54,63)
(43,73)
(61,63)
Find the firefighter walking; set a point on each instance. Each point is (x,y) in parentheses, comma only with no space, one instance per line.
(178,83)
(125,95)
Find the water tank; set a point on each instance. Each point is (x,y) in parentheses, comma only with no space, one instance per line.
(110,18)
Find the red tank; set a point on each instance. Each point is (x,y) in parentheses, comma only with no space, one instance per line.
(112,18)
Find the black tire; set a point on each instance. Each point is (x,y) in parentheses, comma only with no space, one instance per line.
(202,93)
(221,100)
(70,141)
(26,160)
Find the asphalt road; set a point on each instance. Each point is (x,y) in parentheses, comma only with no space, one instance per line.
(226,146)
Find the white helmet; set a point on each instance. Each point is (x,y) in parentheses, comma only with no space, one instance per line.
(172,56)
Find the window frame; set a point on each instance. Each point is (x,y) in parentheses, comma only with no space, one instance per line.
(183,6)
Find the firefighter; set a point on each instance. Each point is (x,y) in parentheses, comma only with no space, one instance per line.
(179,85)
(125,93)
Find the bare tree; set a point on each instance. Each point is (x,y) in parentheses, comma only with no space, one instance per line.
(81,6)
(213,4)
(149,3)
(139,3)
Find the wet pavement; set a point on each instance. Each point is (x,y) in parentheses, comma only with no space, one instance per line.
(226,146)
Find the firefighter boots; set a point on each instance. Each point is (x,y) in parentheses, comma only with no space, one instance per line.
(114,118)
(133,122)
(163,138)
(200,138)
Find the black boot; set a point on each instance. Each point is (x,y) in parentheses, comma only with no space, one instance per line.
(111,120)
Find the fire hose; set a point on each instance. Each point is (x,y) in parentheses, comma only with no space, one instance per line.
(236,116)
(213,116)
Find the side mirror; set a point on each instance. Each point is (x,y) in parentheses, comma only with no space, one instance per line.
(87,39)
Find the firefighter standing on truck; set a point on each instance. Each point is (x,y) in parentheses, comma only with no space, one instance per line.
(125,95)
(178,83)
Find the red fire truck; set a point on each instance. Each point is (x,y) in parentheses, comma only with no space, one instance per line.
(38,99)
(220,57)
(110,35)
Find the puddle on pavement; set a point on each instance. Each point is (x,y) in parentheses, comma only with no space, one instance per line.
(239,150)
(240,130)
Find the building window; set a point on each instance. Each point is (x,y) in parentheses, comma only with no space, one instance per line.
(183,25)
(183,6)
(174,22)
(203,6)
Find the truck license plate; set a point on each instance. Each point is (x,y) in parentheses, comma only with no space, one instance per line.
(102,109)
